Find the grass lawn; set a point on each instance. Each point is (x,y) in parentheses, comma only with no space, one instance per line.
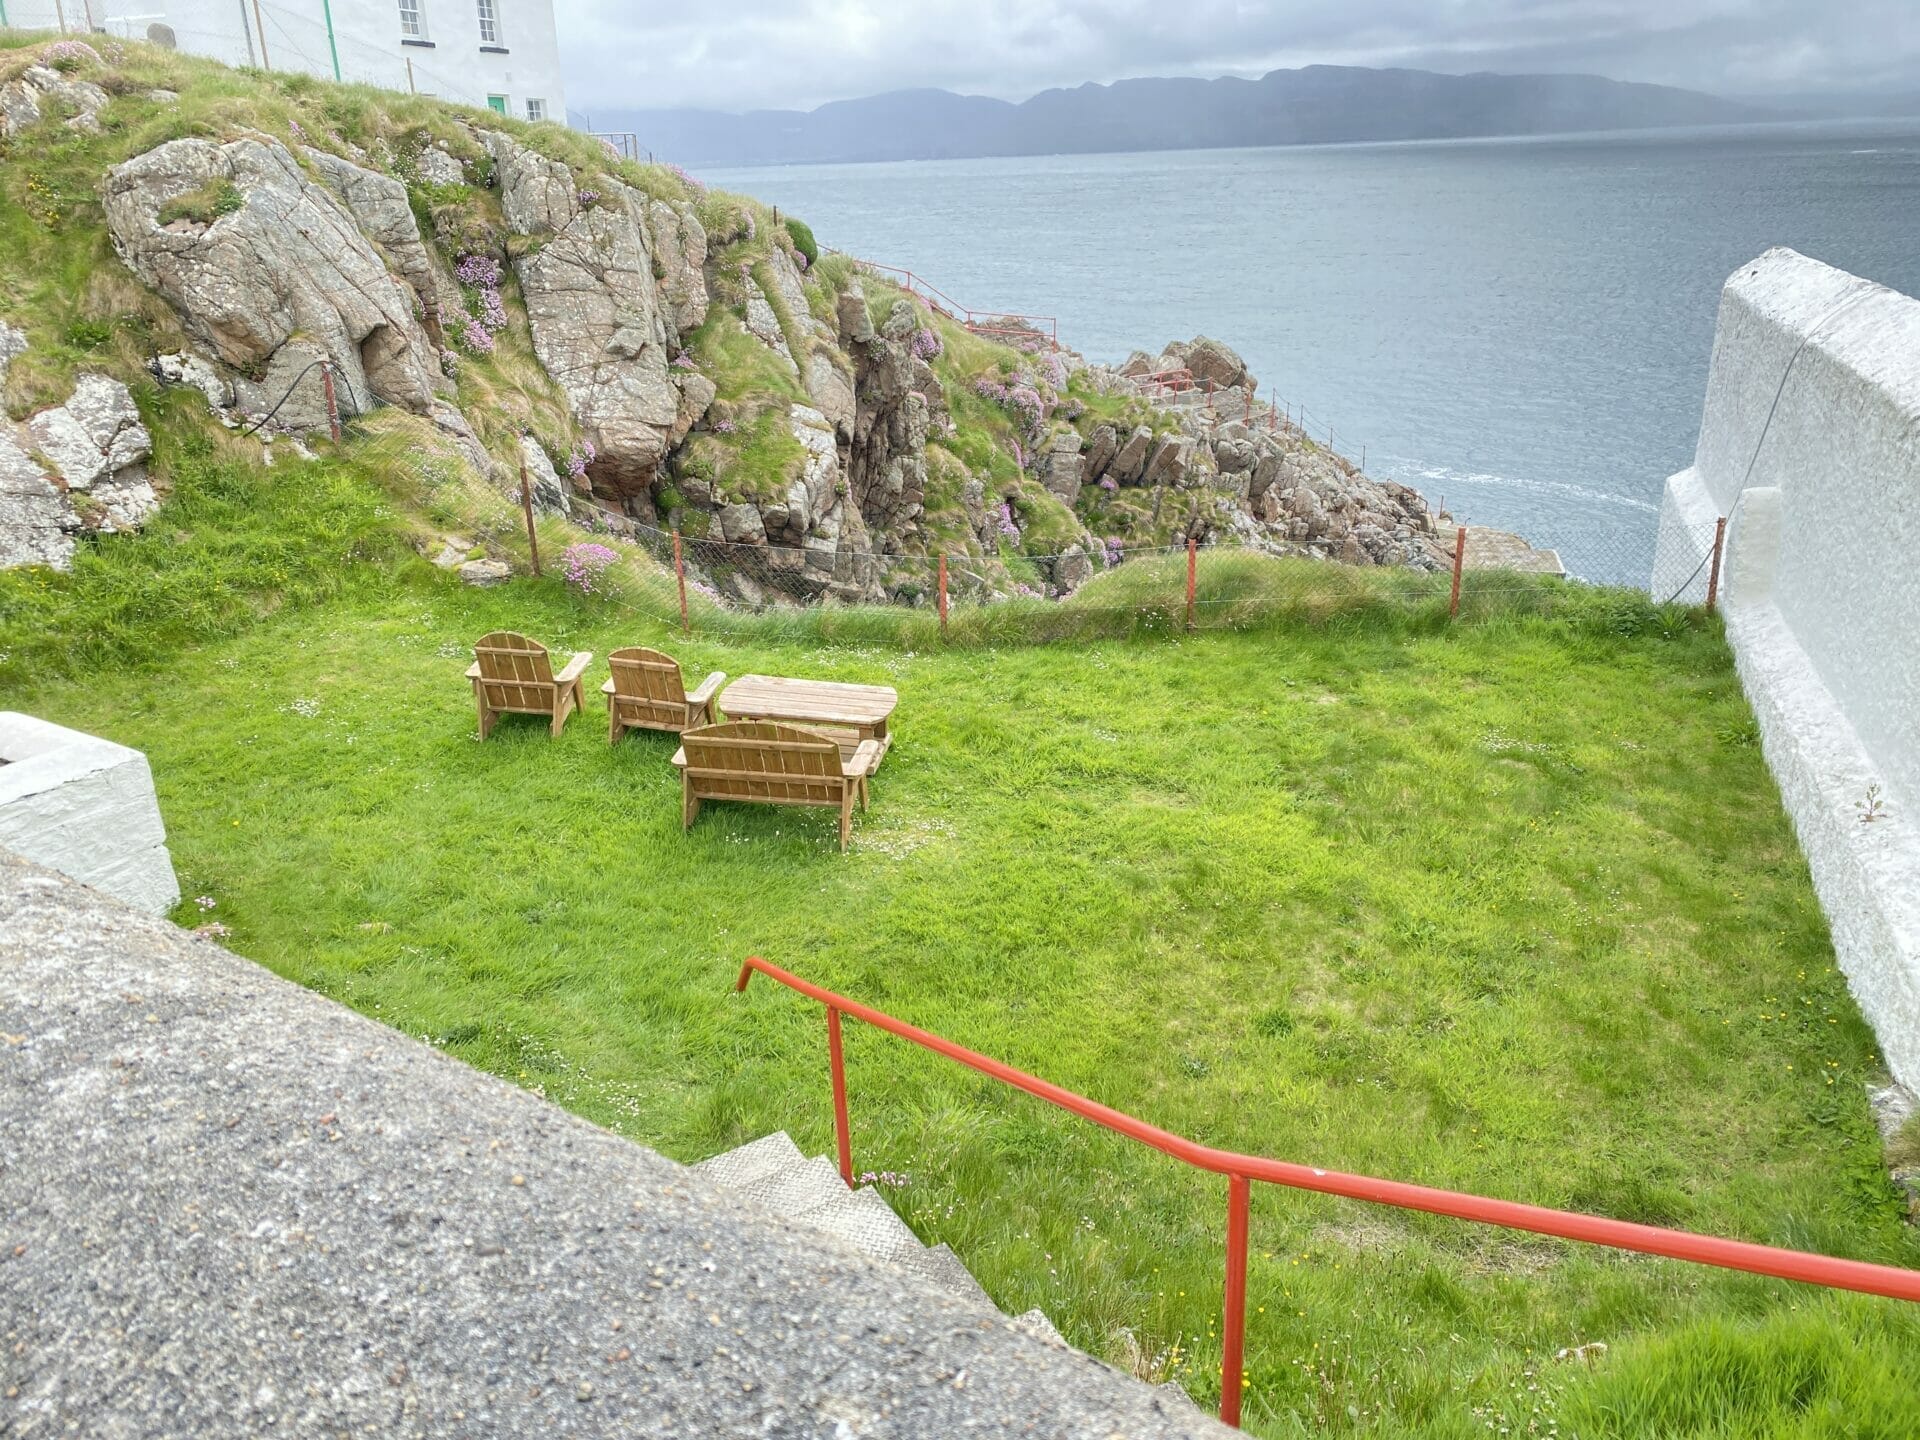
(1511,908)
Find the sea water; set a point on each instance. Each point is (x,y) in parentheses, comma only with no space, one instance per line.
(1519,327)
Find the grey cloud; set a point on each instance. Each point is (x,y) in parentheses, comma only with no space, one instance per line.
(764,54)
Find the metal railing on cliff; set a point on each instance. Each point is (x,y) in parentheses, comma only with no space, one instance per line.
(1010,327)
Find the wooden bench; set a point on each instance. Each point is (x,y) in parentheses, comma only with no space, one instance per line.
(762,763)
(513,675)
(647,692)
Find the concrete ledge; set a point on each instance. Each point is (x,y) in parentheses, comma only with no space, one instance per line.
(231,1206)
(1809,439)
(1866,875)
(86,807)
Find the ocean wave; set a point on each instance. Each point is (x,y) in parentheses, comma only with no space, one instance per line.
(1402,468)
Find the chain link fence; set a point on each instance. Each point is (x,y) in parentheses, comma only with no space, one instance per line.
(977,589)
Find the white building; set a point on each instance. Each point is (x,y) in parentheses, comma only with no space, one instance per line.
(498,53)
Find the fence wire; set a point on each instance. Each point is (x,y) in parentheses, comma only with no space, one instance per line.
(987,588)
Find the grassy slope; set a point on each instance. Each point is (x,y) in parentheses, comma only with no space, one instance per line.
(1511,908)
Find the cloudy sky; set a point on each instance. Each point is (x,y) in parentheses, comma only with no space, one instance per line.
(748,54)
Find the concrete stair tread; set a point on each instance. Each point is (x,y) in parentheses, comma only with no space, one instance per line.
(864,1219)
(771,1172)
(737,1168)
(1036,1324)
(941,1266)
(796,1188)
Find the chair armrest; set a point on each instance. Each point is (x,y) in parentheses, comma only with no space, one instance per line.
(709,687)
(680,757)
(863,761)
(575,668)
(606,686)
(473,671)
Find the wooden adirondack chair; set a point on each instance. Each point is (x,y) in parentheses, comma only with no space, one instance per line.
(763,763)
(648,693)
(513,675)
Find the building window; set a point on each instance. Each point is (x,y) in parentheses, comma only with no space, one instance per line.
(489,22)
(413,19)
(497,104)
(536,109)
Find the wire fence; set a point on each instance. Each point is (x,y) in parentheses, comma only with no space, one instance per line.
(808,581)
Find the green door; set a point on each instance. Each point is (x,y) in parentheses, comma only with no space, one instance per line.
(497,104)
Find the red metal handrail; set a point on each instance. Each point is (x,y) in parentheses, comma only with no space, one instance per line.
(1868,1279)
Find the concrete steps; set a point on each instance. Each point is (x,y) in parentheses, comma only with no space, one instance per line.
(772,1173)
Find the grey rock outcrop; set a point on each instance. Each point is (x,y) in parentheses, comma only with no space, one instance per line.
(1241,471)
(1065,467)
(1101,449)
(887,456)
(680,245)
(792,291)
(484,574)
(549,491)
(601,326)
(13,344)
(1072,568)
(1129,463)
(379,202)
(763,323)
(186,368)
(24,101)
(37,525)
(697,394)
(99,450)
(435,166)
(831,390)
(96,435)
(289,267)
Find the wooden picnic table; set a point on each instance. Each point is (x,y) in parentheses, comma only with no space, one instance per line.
(848,713)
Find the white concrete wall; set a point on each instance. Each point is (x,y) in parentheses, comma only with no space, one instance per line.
(1810,444)
(86,807)
(451,61)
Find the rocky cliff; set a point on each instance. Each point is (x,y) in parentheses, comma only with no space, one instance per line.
(653,354)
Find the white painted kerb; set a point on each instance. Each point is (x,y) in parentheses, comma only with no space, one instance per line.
(86,807)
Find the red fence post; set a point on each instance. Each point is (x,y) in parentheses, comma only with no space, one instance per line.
(680,574)
(943,593)
(1459,559)
(1713,576)
(837,1062)
(333,402)
(1193,563)
(1233,1325)
(526,505)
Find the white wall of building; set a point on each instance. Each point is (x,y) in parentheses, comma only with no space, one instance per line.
(1810,445)
(453,59)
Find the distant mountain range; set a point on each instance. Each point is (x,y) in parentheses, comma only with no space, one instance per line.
(1317,105)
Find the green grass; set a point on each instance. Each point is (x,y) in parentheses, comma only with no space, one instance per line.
(1509,906)
(236,541)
